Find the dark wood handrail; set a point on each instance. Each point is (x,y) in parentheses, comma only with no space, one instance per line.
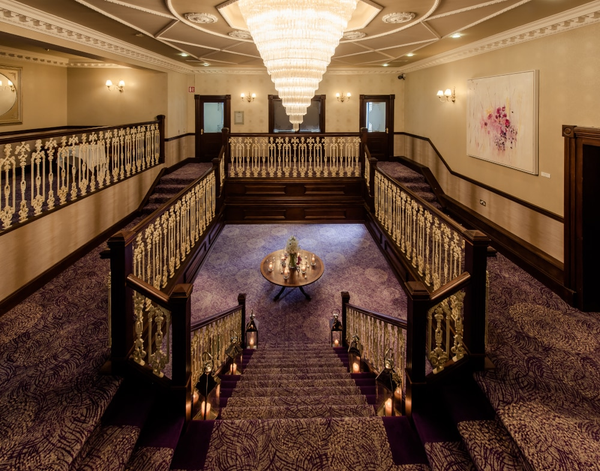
(148,291)
(451,287)
(382,317)
(294,134)
(36,134)
(215,317)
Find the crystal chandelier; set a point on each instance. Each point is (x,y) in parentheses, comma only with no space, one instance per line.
(296,39)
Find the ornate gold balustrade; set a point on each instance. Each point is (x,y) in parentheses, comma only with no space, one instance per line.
(274,155)
(40,174)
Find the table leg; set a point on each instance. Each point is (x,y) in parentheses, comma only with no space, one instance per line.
(304,293)
(279,294)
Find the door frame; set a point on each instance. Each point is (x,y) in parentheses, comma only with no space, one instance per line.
(389,118)
(199,101)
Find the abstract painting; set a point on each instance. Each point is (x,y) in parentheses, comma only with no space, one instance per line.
(502,120)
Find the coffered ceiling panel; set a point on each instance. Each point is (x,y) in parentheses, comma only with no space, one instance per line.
(183,33)
(416,34)
(453,6)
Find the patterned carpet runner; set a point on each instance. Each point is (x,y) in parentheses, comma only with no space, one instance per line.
(297,408)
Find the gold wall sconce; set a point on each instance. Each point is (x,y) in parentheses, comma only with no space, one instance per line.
(447,95)
(250,97)
(112,87)
(343,97)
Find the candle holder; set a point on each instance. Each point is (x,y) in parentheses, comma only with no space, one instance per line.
(336,329)
(286,273)
(313,260)
(270,267)
(251,333)
(389,388)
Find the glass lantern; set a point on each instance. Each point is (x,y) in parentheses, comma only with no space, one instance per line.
(389,389)
(336,330)
(206,392)
(354,353)
(251,333)
(233,352)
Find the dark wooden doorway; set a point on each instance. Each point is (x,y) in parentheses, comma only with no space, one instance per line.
(582,223)
(213,113)
(377,115)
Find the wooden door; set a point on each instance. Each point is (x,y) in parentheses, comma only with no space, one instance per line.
(377,115)
(213,113)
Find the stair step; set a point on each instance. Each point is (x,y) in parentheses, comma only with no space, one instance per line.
(109,448)
(293,391)
(297,411)
(291,370)
(490,446)
(444,456)
(296,376)
(285,383)
(356,443)
(277,401)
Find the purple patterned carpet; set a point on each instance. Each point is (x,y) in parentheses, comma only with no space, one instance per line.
(352,261)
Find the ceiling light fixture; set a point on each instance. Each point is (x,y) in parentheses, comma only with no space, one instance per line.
(296,40)
(456,35)
(410,54)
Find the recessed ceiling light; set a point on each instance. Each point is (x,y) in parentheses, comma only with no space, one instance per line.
(456,35)
(206,64)
(139,35)
(183,54)
(385,65)
(410,54)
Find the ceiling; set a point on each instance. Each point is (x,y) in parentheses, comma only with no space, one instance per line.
(382,33)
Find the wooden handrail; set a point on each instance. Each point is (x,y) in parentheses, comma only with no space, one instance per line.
(382,317)
(148,290)
(209,320)
(450,288)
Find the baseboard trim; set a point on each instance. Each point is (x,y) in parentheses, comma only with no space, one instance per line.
(27,289)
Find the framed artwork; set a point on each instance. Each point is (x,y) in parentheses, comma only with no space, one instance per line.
(238,117)
(10,95)
(502,120)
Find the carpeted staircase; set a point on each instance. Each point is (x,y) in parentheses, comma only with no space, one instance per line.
(172,183)
(296,407)
(412,180)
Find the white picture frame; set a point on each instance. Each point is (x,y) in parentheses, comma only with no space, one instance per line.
(502,120)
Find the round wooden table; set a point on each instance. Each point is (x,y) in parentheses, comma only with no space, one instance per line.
(296,278)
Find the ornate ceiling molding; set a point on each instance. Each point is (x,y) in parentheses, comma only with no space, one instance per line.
(22,16)
(579,17)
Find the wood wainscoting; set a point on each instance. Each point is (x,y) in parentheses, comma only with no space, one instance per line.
(263,200)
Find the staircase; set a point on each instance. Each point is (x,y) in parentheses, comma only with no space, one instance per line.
(297,408)
(412,180)
(172,183)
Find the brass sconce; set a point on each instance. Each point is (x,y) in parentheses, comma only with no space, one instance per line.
(249,97)
(119,87)
(343,97)
(447,95)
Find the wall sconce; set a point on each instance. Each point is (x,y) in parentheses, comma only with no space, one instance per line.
(343,97)
(119,87)
(248,98)
(447,95)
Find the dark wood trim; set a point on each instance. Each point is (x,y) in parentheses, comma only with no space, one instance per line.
(508,196)
(537,263)
(26,290)
(180,136)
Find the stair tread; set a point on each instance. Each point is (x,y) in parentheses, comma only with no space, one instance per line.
(444,456)
(108,448)
(232,412)
(240,401)
(285,383)
(292,391)
(490,446)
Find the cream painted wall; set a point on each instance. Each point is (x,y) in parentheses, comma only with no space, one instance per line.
(29,251)
(179,101)
(91,103)
(569,67)
(44,96)
(340,117)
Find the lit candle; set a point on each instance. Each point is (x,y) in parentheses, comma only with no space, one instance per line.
(388,407)
(205,408)
(356,367)
(286,273)
(251,342)
(398,393)
(336,343)
(233,368)
(194,396)
(312,260)
(270,268)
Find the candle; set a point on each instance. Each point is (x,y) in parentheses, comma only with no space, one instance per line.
(194,396)
(205,409)
(336,343)
(233,368)
(313,262)
(388,407)
(286,273)
(356,367)
(270,268)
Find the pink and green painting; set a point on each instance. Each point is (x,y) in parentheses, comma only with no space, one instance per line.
(502,120)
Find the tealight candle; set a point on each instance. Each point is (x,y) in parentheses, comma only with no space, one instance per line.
(356,367)
(286,273)
(388,407)
(205,408)
(336,343)
(313,261)
(270,267)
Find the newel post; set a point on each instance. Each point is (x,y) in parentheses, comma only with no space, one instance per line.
(121,299)
(180,307)
(225,144)
(242,303)
(345,302)
(217,169)
(363,146)
(475,304)
(416,340)
(161,129)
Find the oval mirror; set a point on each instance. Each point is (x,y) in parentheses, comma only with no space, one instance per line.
(8,94)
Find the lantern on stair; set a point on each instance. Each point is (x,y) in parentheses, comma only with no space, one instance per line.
(233,351)
(336,330)
(354,353)
(251,333)
(207,386)
(389,388)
